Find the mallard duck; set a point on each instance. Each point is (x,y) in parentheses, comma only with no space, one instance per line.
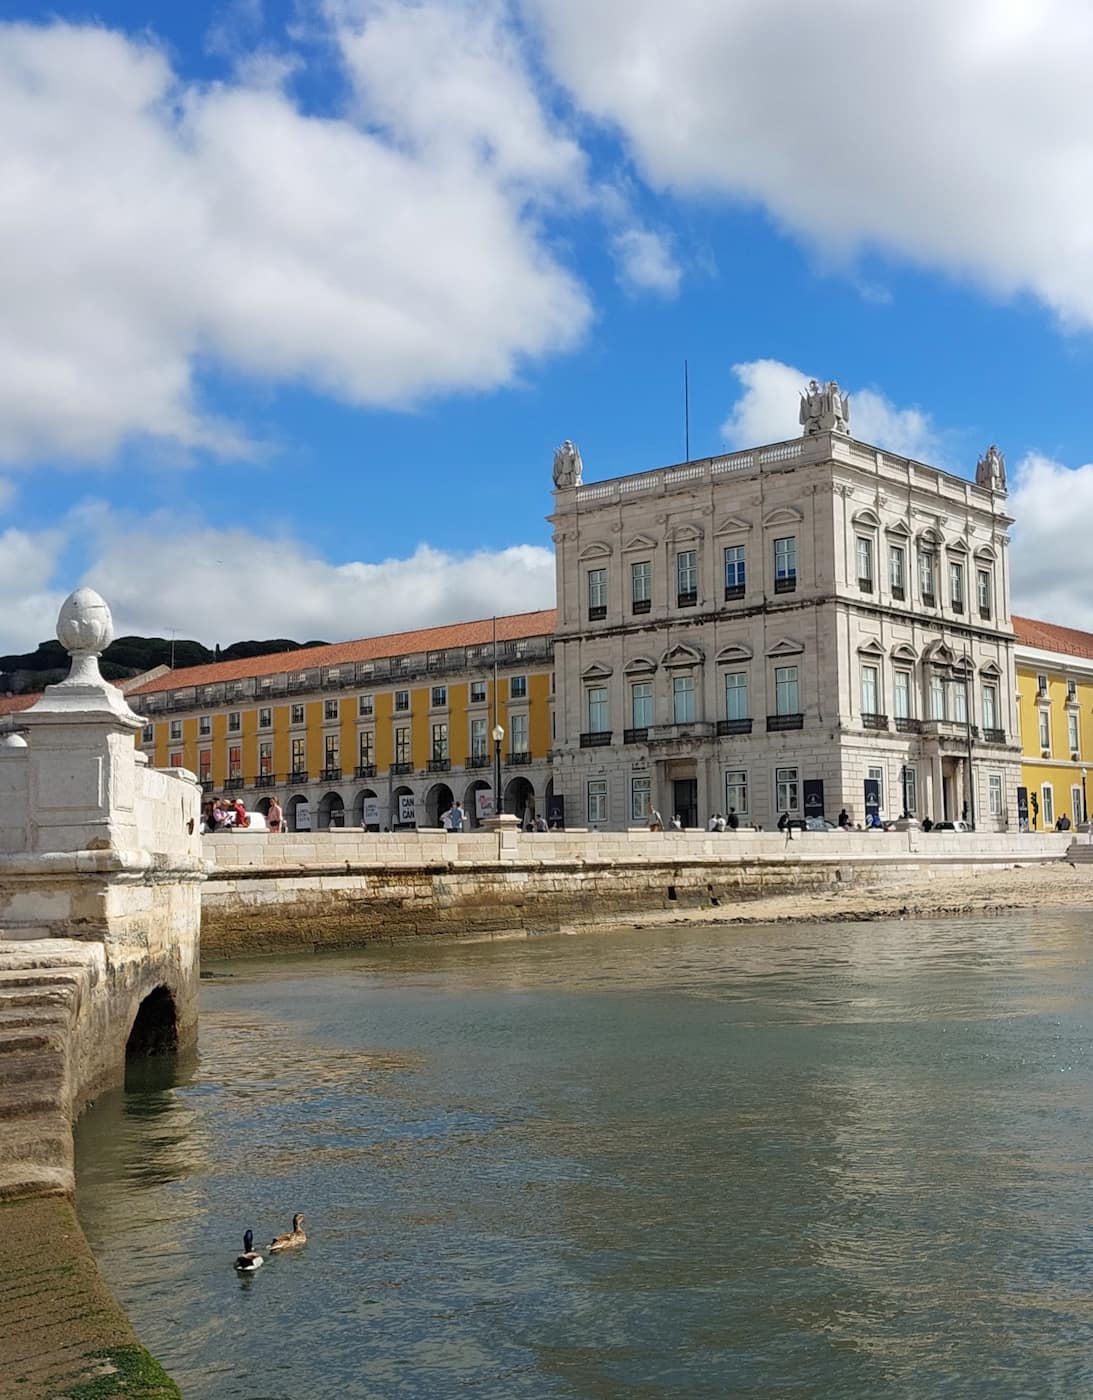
(250,1259)
(294,1238)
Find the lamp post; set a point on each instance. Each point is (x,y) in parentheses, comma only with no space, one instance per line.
(903,776)
(1085,809)
(498,735)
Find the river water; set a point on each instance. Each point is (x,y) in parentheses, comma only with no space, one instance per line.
(820,1160)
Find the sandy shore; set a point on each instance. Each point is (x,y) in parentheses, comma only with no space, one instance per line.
(1058,885)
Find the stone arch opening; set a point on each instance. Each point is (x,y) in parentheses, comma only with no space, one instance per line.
(520,799)
(438,800)
(366,810)
(403,809)
(263,805)
(155,1027)
(331,811)
(294,804)
(470,801)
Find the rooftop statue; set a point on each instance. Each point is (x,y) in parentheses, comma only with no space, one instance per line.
(990,470)
(824,409)
(568,466)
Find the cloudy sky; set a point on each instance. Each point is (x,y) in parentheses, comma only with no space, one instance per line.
(300,295)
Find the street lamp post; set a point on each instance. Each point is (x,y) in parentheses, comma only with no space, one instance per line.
(1085,809)
(903,776)
(498,735)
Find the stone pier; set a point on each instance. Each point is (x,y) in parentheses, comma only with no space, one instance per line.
(100,888)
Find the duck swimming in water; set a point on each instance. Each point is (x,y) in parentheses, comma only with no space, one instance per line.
(250,1259)
(293,1239)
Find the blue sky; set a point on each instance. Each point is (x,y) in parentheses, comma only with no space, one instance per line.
(302,294)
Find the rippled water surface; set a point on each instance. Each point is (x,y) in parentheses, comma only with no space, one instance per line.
(828,1160)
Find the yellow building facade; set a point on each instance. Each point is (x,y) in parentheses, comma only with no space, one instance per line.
(380,732)
(1055,708)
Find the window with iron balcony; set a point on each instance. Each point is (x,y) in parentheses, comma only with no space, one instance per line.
(687,578)
(734,572)
(597,594)
(785,564)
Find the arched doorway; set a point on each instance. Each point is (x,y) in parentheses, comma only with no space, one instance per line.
(437,801)
(331,811)
(294,804)
(403,809)
(155,1026)
(263,805)
(520,799)
(366,810)
(470,801)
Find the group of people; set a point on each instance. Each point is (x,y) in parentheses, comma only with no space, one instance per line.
(717,822)
(229,814)
(225,814)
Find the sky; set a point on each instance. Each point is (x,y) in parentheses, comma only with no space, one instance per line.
(299,296)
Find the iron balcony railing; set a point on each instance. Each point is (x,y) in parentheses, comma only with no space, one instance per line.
(777,723)
(439,765)
(596,739)
(994,736)
(331,775)
(872,720)
(365,770)
(906,725)
(687,600)
(733,726)
(597,612)
(478,760)
(636,736)
(733,591)
(233,784)
(641,605)
(401,769)
(265,780)
(518,758)
(786,585)
(298,775)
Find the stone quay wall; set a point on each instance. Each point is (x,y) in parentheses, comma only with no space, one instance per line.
(269,893)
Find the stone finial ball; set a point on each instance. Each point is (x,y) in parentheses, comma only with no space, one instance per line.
(84,622)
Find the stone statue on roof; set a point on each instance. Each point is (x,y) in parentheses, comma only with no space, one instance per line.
(824,409)
(990,470)
(568,467)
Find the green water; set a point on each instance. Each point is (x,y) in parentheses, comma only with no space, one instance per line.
(842,1160)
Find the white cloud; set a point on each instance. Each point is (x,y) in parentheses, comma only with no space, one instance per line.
(956,135)
(217,585)
(1053,510)
(645,262)
(146,225)
(767,411)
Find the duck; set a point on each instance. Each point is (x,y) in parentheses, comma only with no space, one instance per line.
(293,1239)
(250,1259)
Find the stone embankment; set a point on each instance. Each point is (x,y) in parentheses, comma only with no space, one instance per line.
(339,888)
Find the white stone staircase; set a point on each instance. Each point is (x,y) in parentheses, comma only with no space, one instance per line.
(1080,851)
(42,985)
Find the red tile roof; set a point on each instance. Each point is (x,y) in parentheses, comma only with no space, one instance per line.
(1046,636)
(458,634)
(9,704)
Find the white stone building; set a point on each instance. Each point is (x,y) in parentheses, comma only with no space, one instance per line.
(805,627)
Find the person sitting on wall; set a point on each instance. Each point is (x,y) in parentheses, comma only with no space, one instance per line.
(732,821)
(222,815)
(541,823)
(242,821)
(927,824)
(783,822)
(677,823)
(711,825)
(844,819)
(872,822)
(656,821)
